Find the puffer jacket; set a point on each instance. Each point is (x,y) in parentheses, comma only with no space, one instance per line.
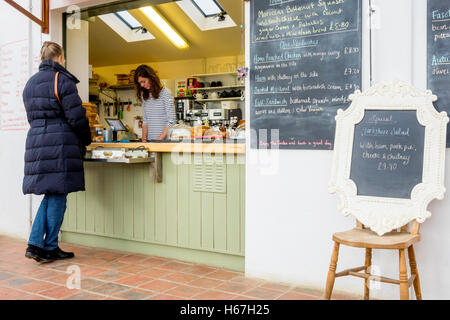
(58,133)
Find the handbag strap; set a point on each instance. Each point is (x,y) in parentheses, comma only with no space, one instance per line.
(56,87)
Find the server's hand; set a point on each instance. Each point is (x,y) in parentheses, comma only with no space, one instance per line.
(144,133)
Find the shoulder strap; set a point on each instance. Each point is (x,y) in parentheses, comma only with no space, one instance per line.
(56,87)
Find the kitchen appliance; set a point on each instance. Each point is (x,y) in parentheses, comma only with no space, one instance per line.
(195,116)
(217,114)
(235,113)
(197,113)
(98,135)
(182,106)
(115,125)
(193,113)
(224,114)
(107,135)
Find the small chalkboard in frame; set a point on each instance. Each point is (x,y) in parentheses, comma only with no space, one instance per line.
(389,156)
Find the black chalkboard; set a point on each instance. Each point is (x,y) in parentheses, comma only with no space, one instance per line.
(305,61)
(438,49)
(387,156)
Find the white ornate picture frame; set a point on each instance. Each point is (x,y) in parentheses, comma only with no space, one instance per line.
(382,214)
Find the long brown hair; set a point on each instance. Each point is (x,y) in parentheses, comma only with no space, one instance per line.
(155,83)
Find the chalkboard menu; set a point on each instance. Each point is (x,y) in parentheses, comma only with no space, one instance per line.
(438,46)
(387,157)
(305,61)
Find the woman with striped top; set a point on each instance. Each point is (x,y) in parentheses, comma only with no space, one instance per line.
(158,108)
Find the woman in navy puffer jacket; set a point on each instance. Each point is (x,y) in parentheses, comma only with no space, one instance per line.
(59,132)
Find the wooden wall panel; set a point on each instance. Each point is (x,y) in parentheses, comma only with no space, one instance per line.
(121,201)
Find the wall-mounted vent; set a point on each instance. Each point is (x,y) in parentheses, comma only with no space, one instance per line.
(209,177)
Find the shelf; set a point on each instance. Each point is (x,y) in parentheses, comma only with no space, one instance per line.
(220,88)
(124,160)
(219,99)
(215,74)
(122,87)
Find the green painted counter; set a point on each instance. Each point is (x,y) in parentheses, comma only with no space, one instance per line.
(184,217)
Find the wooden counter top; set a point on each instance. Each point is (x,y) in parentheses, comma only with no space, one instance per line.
(206,147)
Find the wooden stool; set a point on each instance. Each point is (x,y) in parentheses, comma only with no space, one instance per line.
(361,237)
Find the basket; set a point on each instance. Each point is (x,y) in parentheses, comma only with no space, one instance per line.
(131,77)
(122,79)
(93,117)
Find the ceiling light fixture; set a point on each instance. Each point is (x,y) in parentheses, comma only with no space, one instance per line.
(165,27)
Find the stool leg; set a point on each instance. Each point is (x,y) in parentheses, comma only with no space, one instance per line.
(331,272)
(413,266)
(404,289)
(367,263)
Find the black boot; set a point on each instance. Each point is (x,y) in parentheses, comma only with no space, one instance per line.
(58,254)
(38,254)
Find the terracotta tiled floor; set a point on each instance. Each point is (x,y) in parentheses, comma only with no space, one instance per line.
(109,274)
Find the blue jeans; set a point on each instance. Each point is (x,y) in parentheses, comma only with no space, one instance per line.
(48,221)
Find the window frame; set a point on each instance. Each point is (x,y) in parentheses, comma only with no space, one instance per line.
(126,22)
(222,10)
(44,22)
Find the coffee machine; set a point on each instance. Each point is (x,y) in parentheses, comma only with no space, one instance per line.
(193,112)
(182,107)
(195,116)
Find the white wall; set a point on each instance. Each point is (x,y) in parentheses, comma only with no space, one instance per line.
(290,216)
(77,56)
(25,42)
(432,254)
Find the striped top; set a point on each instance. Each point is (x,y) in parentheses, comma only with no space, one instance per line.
(158,113)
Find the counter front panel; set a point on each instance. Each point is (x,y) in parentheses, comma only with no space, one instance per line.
(121,202)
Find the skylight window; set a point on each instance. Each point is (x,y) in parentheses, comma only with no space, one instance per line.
(115,22)
(204,23)
(208,8)
(128,19)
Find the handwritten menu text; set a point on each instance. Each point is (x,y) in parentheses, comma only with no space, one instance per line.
(438,71)
(305,61)
(387,158)
(14,75)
